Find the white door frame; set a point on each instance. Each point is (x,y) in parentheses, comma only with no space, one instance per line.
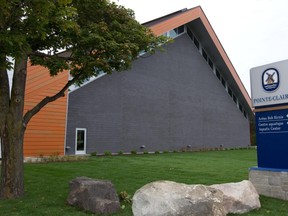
(81,151)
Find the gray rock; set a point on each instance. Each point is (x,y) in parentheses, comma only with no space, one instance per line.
(240,197)
(166,198)
(97,196)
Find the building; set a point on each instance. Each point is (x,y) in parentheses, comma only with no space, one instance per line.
(188,96)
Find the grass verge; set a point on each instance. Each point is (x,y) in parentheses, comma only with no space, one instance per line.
(46,185)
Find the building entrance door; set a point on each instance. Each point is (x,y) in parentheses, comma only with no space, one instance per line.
(80,144)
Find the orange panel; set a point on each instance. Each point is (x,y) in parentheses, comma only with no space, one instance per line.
(45,133)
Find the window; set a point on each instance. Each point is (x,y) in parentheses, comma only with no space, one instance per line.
(80,143)
(215,70)
(175,32)
(204,54)
(230,92)
(245,114)
(196,42)
(88,80)
(210,63)
(223,82)
(218,74)
(240,107)
(190,34)
(181,29)
(193,38)
(165,34)
(234,98)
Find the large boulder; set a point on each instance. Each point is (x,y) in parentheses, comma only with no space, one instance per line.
(240,197)
(167,198)
(97,196)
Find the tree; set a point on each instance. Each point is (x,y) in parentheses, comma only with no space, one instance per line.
(96,36)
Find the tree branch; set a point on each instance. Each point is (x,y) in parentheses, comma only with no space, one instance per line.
(30,113)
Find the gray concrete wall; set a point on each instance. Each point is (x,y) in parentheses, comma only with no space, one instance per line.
(167,101)
(270,183)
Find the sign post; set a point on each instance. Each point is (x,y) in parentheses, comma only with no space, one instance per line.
(269,94)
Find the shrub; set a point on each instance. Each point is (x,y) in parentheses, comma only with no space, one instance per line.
(65,158)
(125,197)
(93,153)
(120,152)
(133,152)
(107,153)
(145,152)
(157,152)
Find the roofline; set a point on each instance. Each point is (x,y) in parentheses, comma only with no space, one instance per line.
(187,16)
(150,22)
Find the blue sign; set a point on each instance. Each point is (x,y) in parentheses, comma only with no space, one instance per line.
(272,139)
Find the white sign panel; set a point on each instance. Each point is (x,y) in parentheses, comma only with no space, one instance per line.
(269,84)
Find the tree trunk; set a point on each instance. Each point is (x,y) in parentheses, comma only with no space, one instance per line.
(12,174)
(12,129)
(13,125)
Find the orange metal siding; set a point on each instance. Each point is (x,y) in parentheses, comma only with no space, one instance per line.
(45,133)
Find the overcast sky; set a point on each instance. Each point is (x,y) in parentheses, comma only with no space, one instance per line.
(252,32)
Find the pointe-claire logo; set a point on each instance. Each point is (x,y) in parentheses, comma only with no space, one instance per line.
(270,79)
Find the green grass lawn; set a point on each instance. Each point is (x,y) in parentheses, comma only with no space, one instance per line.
(46,185)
